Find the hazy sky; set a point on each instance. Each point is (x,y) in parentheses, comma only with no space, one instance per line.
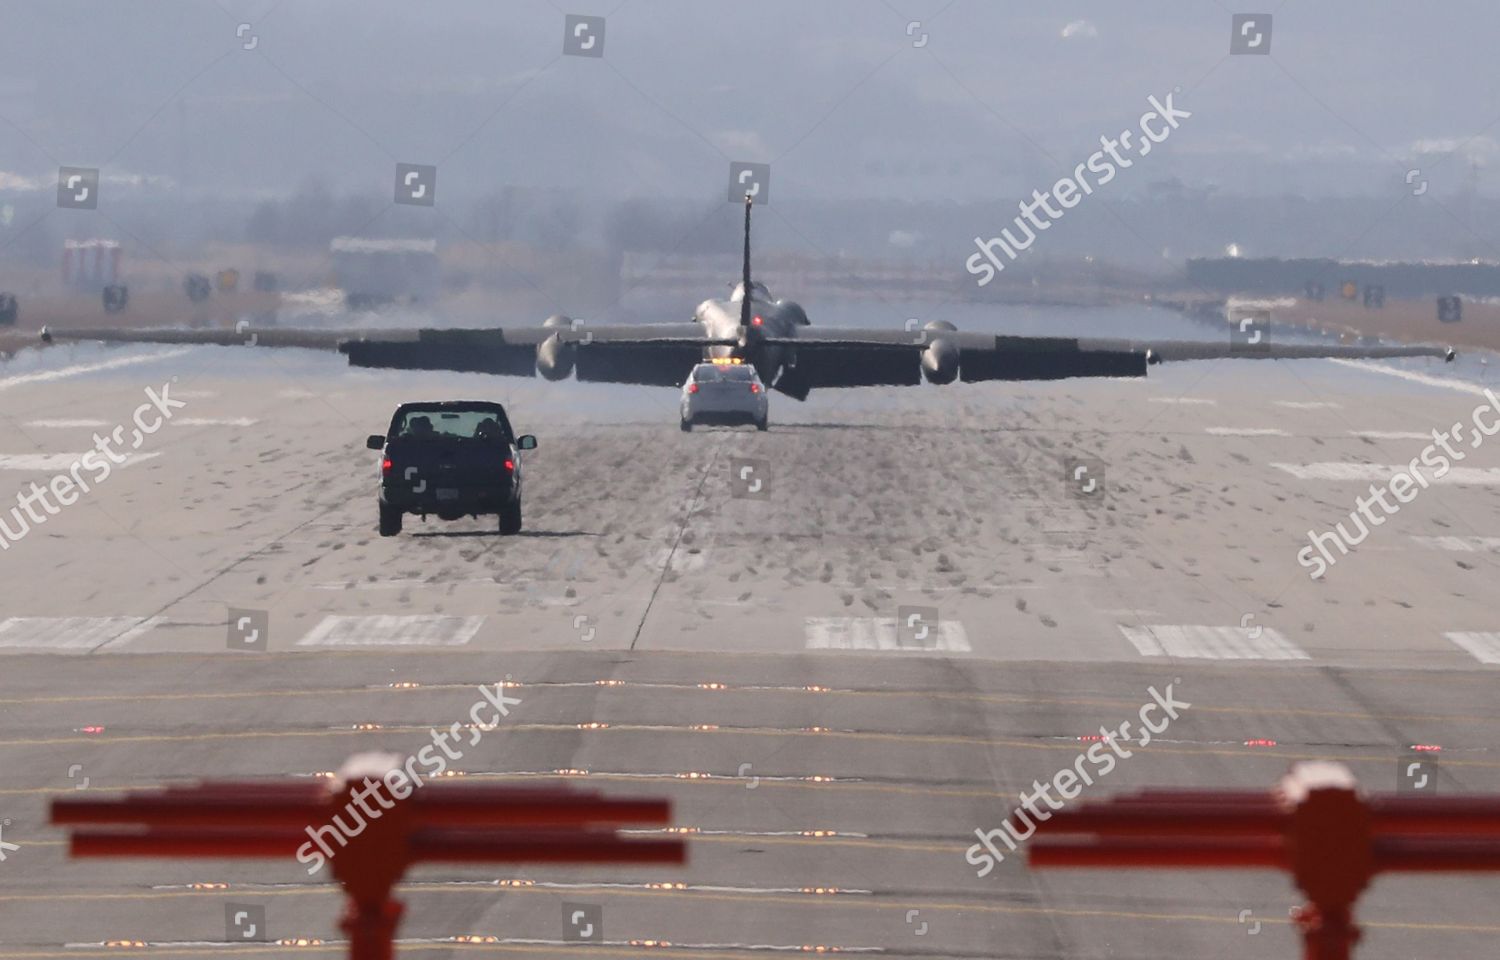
(979,99)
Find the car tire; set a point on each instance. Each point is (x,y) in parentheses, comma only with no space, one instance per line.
(687,426)
(762,425)
(510,519)
(390,521)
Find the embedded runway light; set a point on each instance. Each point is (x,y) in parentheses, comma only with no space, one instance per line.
(1260,743)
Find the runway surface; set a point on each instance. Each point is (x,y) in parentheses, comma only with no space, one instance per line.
(722,618)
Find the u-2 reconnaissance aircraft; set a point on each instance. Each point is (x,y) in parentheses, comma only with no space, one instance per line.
(775,336)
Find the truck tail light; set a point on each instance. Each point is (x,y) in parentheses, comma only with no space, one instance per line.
(510,465)
(385,466)
(755,388)
(692,388)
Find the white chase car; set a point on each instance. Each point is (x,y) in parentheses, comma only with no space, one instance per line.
(724,391)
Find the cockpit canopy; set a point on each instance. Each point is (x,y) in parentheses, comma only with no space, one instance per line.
(758,291)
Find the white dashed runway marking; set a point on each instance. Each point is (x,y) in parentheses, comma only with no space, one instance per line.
(425,630)
(1390,435)
(1185,401)
(1460,544)
(1212,643)
(880,633)
(208,422)
(1246,431)
(1484,647)
(63,373)
(72,634)
(1446,383)
(1307,404)
(67,424)
(63,462)
(1365,472)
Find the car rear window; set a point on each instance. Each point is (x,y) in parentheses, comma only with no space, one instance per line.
(736,373)
(476,424)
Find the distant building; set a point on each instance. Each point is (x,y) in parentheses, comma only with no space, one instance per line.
(373,272)
(1271,276)
(90,265)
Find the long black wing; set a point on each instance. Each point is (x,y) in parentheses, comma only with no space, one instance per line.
(846,357)
(651,354)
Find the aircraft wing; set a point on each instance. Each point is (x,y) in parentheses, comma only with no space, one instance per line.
(653,354)
(844,357)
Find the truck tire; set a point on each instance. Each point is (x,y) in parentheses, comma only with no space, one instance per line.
(390,521)
(510,519)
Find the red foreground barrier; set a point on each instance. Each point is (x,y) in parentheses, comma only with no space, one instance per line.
(1315,824)
(435,823)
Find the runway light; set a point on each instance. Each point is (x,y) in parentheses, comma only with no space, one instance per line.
(650,943)
(366,726)
(704,727)
(1090,738)
(819,833)
(1260,743)
(515,883)
(571,772)
(593,726)
(91,729)
(475,938)
(713,686)
(682,830)
(404,685)
(125,943)
(821,891)
(609,683)
(817,688)
(1426,748)
(208,886)
(692,775)
(815,730)
(299,942)
(666,886)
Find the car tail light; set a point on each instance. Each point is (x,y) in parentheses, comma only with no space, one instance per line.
(510,464)
(756,321)
(385,465)
(755,388)
(692,388)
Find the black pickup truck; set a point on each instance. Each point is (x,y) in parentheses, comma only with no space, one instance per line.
(451,459)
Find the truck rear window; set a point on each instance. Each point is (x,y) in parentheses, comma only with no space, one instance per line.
(471,424)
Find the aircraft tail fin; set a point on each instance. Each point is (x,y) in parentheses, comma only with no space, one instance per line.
(745,273)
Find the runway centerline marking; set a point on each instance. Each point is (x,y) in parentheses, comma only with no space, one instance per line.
(63,462)
(1246,431)
(67,424)
(1362,472)
(1212,643)
(1390,435)
(419,630)
(1460,544)
(1484,647)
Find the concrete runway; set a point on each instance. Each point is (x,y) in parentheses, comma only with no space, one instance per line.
(750,633)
